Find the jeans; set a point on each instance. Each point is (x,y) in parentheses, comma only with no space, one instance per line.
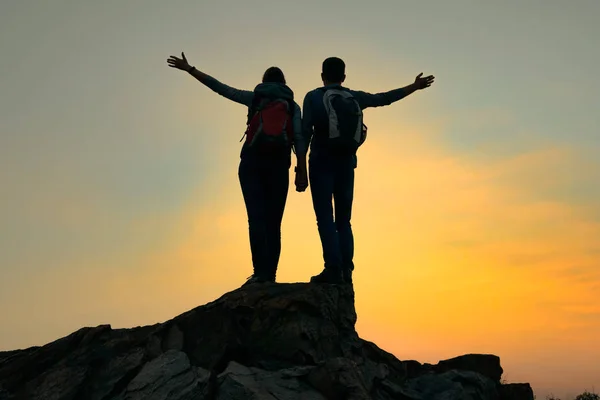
(332,178)
(264,183)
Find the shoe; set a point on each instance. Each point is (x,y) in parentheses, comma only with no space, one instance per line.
(328,275)
(257,279)
(347,275)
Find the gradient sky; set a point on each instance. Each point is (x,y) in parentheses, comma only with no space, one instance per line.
(477,205)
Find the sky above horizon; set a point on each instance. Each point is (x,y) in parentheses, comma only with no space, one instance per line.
(477,201)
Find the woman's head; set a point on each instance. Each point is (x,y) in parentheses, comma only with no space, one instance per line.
(273,75)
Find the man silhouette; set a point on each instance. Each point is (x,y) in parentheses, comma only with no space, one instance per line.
(331,169)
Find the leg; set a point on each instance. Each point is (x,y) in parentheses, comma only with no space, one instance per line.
(322,179)
(343,195)
(275,198)
(252,191)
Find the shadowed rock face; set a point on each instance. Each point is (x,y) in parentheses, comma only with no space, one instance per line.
(271,341)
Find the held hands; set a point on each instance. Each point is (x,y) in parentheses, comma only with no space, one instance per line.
(301,179)
(422,83)
(179,63)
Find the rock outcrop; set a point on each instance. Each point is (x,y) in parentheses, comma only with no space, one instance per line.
(270,341)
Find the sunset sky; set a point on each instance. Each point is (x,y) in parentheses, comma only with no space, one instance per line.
(477,201)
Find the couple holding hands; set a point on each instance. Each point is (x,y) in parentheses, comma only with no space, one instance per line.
(331,122)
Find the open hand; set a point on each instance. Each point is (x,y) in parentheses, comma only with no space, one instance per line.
(422,83)
(179,63)
(301,179)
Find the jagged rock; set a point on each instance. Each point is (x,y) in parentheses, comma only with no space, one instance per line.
(174,339)
(169,376)
(454,385)
(339,378)
(238,382)
(414,368)
(516,391)
(271,341)
(485,364)
(390,391)
(377,364)
(270,327)
(91,363)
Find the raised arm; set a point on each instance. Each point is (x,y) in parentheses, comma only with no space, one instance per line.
(367,100)
(239,96)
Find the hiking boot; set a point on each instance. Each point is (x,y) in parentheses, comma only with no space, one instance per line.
(328,275)
(347,275)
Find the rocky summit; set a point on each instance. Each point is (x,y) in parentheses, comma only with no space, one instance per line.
(269,341)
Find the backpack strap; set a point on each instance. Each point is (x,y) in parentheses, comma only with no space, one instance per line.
(254,106)
(252,110)
(290,110)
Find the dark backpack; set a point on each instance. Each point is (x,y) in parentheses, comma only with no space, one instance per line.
(346,132)
(269,126)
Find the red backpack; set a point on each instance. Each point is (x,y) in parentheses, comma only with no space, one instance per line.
(270,127)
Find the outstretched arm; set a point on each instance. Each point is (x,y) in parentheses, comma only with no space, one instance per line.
(239,96)
(367,100)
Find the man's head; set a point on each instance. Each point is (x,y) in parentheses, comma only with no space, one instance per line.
(273,75)
(334,71)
